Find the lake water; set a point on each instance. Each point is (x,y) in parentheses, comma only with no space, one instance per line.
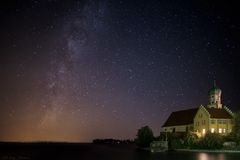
(98,152)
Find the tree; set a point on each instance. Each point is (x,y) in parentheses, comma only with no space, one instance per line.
(236,127)
(144,137)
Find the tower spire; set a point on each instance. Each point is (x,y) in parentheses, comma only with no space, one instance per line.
(214,83)
(215,97)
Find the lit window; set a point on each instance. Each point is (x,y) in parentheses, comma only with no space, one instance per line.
(220,130)
(212,130)
(203,131)
(224,130)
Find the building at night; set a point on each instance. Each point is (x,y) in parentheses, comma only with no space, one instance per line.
(214,118)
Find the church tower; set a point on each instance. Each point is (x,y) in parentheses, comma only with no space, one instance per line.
(215,97)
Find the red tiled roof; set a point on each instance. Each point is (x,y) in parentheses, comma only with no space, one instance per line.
(218,113)
(183,117)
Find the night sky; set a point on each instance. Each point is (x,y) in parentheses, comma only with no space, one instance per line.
(79,70)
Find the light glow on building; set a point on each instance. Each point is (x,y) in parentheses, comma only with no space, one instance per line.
(220,130)
(212,130)
(204,131)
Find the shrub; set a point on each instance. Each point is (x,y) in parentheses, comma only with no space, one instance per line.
(229,137)
(238,148)
(190,140)
(162,137)
(210,141)
(176,143)
(236,128)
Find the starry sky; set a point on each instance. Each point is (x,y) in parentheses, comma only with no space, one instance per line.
(78,70)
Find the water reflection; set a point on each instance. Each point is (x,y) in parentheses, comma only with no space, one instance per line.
(202,156)
(106,152)
(209,156)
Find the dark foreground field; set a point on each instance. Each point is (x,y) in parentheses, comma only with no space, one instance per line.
(81,151)
(24,151)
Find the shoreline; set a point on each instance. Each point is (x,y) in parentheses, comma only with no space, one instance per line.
(208,151)
(191,150)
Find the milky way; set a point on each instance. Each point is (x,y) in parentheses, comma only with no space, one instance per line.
(79,70)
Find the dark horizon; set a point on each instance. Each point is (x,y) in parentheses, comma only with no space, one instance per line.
(70,142)
(82,69)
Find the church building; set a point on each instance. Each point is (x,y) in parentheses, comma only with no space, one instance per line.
(214,118)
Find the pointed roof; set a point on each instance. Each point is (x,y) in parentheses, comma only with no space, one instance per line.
(218,113)
(214,89)
(182,117)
